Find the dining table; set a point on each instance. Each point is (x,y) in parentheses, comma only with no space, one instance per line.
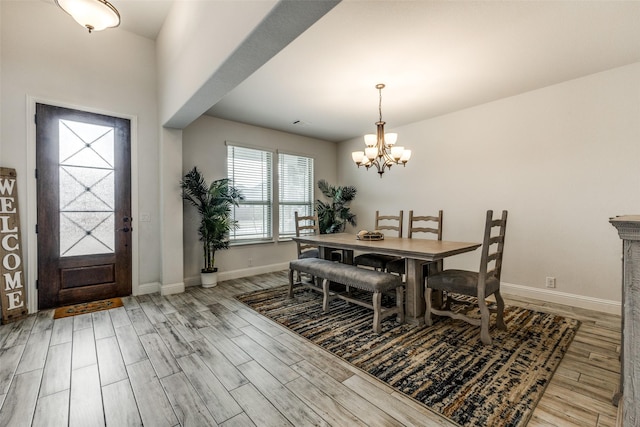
(416,252)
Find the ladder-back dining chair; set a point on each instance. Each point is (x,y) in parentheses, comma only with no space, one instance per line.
(306,225)
(424,224)
(379,261)
(309,225)
(480,284)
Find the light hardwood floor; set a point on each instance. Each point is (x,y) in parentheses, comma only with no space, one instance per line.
(202,359)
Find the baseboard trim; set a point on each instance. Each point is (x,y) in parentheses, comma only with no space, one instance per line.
(148,288)
(193,281)
(547,295)
(238,274)
(245,272)
(172,288)
(573,300)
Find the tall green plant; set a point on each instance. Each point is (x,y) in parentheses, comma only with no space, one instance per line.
(335,214)
(213,203)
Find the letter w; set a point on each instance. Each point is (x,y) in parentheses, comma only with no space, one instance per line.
(6,186)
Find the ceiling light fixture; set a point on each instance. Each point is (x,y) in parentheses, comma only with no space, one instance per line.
(94,15)
(381,150)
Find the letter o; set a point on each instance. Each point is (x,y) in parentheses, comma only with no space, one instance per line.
(16,261)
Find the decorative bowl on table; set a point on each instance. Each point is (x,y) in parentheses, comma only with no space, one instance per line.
(369,235)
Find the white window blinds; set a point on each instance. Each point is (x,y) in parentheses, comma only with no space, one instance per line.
(251,172)
(295,184)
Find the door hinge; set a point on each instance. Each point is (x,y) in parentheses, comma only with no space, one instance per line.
(36,228)
(36,171)
(37,285)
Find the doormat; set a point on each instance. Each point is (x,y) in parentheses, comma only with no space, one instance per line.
(87,307)
(444,366)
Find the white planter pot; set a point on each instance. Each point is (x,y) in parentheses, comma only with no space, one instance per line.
(209,280)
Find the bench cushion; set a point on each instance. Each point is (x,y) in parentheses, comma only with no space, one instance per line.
(349,275)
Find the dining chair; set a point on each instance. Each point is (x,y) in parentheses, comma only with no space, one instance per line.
(379,261)
(309,225)
(429,224)
(479,284)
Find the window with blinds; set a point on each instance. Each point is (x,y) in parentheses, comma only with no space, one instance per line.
(295,184)
(251,171)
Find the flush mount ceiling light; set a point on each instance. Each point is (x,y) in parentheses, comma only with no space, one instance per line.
(381,150)
(94,15)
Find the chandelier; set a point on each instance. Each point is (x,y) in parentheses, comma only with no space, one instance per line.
(381,150)
(94,15)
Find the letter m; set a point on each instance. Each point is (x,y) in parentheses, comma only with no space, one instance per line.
(14,282)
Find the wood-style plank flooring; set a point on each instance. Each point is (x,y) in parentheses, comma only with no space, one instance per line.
(203,359)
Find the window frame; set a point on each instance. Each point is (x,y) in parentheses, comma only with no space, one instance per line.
(269,202)
(309,205)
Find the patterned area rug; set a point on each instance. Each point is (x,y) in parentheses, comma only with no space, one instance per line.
(87,307)
(444,366)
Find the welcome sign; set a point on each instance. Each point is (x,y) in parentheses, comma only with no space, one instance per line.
(12,289)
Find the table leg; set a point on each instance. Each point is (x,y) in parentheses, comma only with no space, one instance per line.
(414,293)
(347,256)
(325,252)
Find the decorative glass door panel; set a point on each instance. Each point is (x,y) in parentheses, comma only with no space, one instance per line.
(87,185)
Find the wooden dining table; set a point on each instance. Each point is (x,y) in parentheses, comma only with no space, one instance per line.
(415,251)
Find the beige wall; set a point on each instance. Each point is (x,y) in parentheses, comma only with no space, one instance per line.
(562,160)
(203,145)
(46,56)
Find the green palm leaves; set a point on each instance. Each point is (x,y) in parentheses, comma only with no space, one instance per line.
(335,214)
(214,203)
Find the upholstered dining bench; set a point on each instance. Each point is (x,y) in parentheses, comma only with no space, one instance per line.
(376,282)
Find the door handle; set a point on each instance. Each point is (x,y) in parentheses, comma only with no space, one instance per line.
(126,228)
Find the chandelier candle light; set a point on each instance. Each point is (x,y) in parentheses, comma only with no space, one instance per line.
(381,150)
(94,15)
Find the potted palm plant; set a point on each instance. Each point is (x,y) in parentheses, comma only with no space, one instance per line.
(335,214)
(213,203)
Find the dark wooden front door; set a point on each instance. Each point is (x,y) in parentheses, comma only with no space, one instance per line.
(84,206)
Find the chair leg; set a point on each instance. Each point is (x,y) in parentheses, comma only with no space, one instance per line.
(447,304)
(500,312)
(325,298)
(485,317)
(427,312)
(290,293)
(377,307)
(400,303)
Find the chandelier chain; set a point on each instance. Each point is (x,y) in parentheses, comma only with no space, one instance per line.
(380,103)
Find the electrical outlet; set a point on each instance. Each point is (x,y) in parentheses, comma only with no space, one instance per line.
(250,262)
(551,282)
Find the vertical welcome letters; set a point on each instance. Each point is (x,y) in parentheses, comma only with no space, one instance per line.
(12,289)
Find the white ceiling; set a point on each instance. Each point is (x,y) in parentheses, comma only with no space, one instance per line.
(434,56)
(143,17)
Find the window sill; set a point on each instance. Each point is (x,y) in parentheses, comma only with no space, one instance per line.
(251,242)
